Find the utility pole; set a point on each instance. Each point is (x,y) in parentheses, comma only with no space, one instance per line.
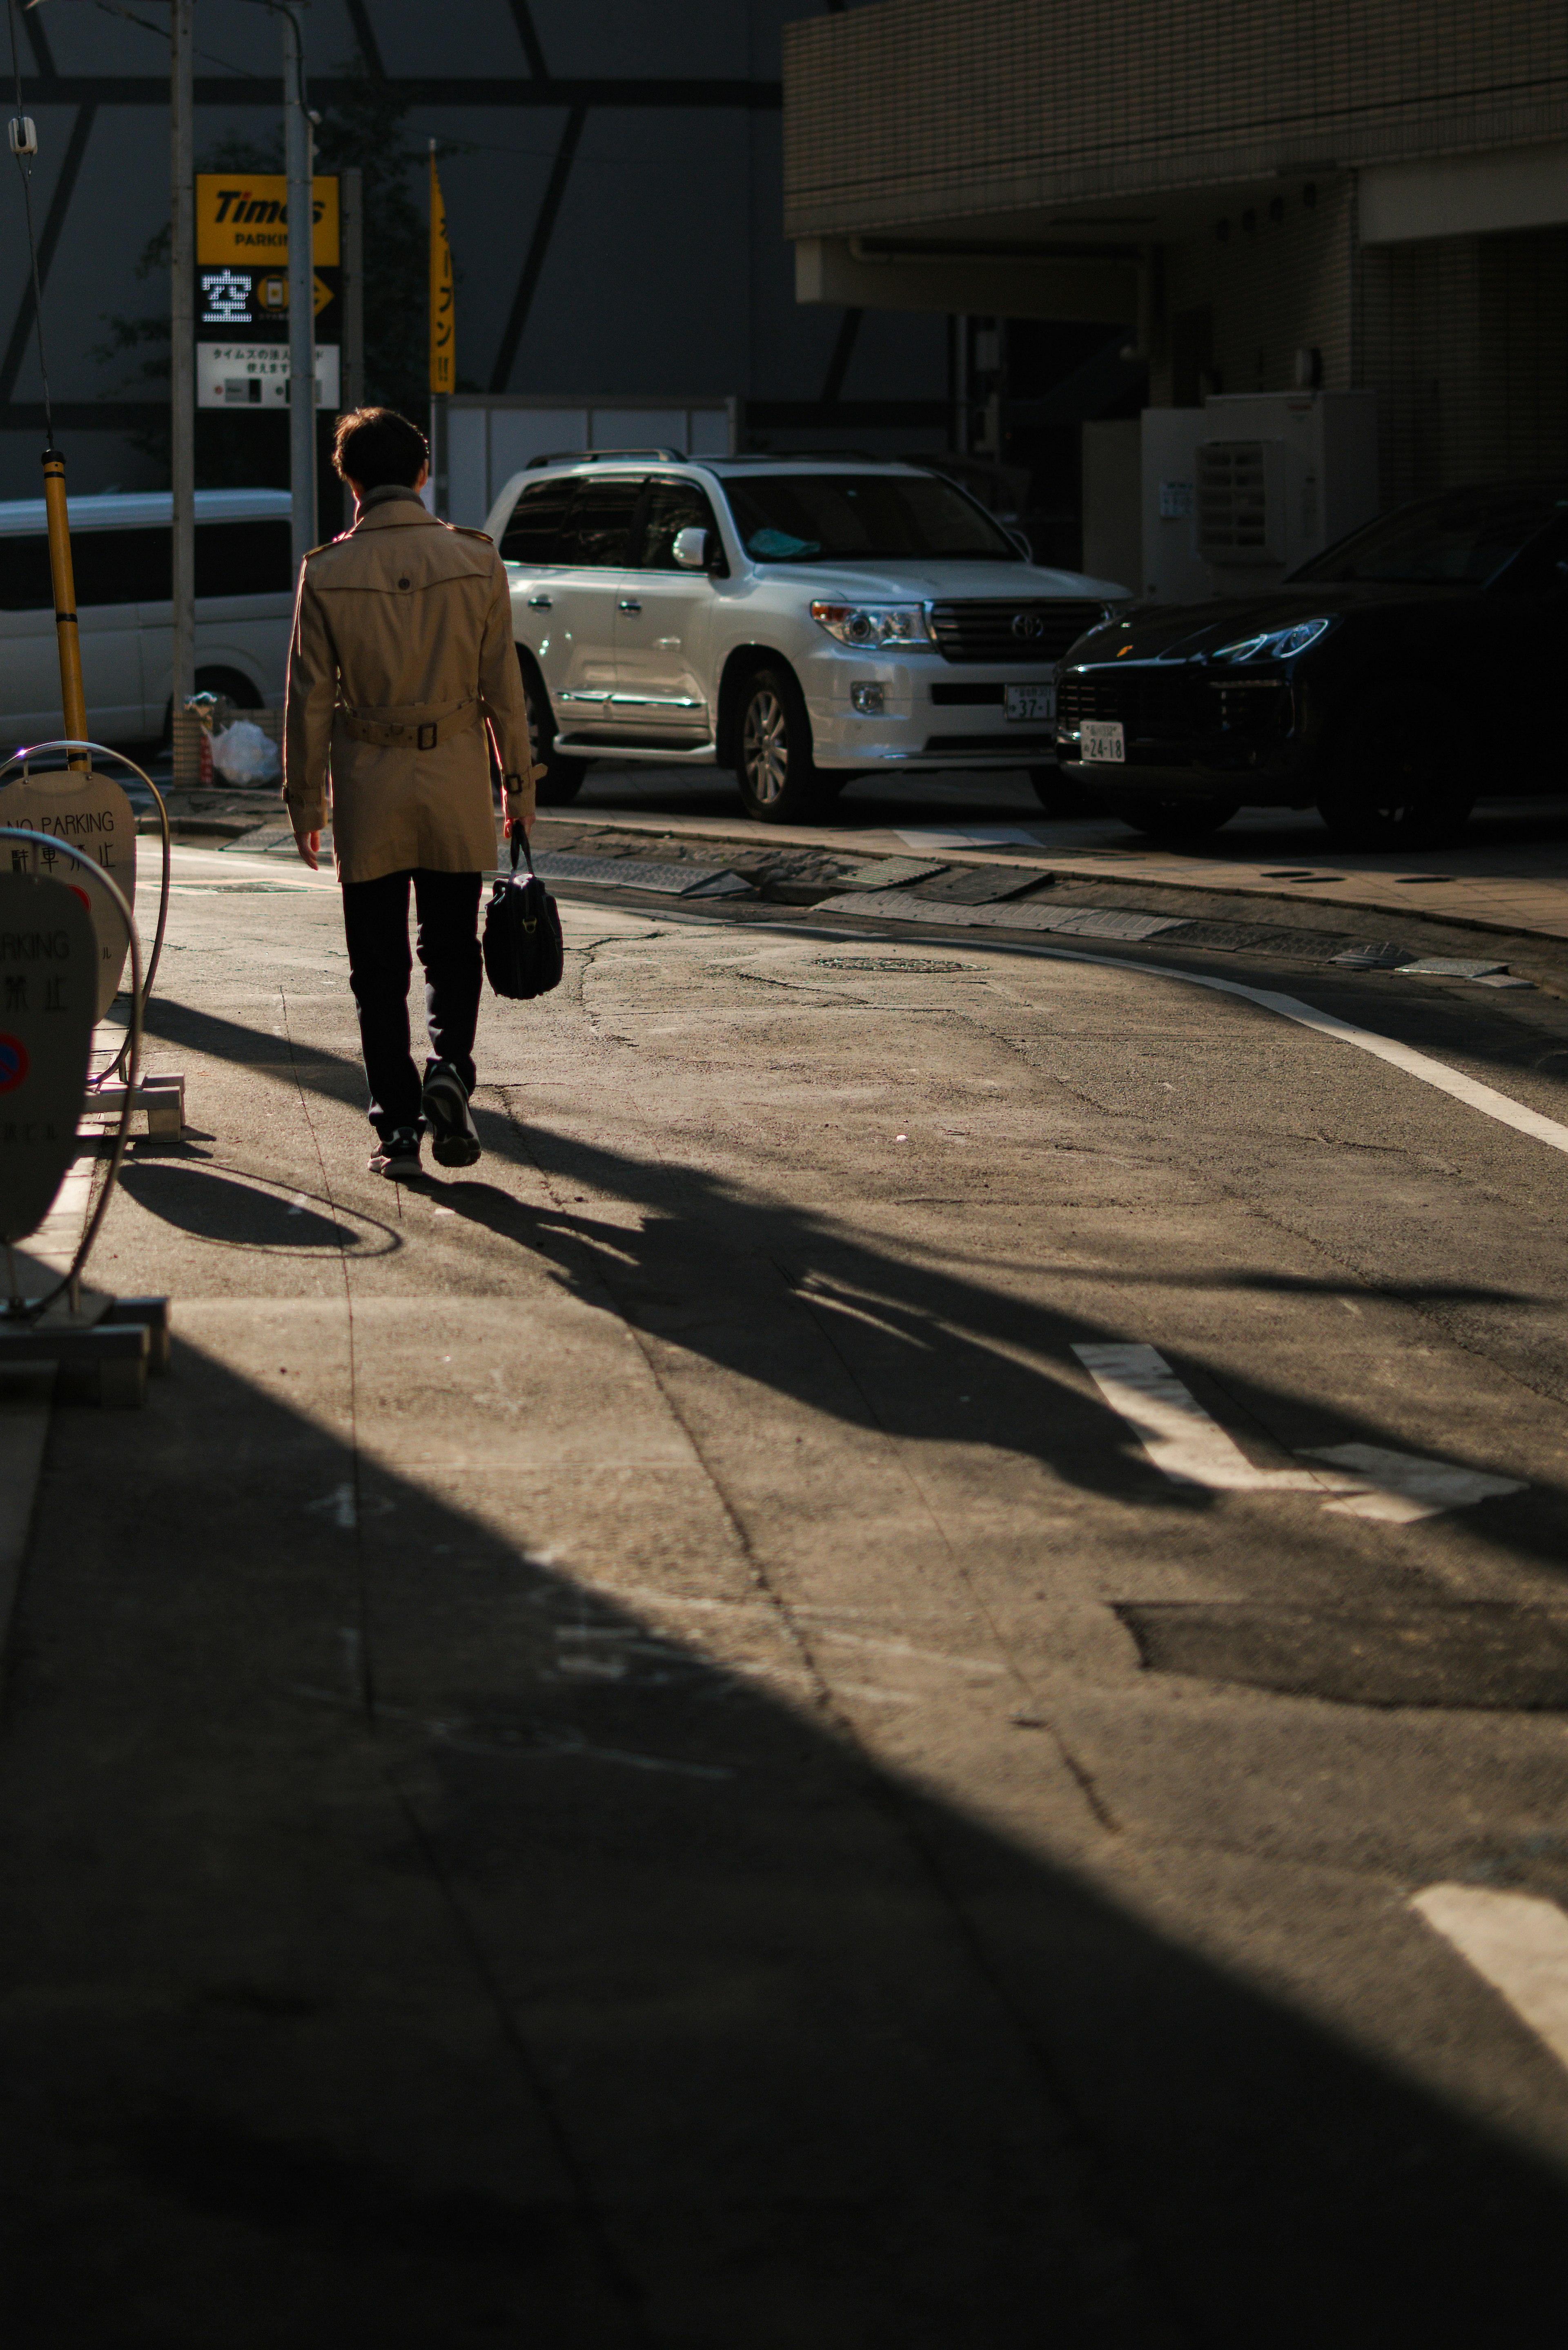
(182,356)
(351,380)
(299,164)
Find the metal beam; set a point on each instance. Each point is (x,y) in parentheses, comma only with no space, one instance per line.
(538,247)
(39,39)
(467,90)
(59,205)
(522,18)
(843,352)
(365,33)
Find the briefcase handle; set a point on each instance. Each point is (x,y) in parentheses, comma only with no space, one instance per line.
(520,839)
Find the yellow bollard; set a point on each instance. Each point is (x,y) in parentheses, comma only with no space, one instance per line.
(73,704)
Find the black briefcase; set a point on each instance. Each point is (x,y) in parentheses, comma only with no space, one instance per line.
(523,952)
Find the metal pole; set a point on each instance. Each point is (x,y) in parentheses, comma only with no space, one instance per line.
(182,357)
(351,200)
(351,188)
(73,704)
(298,162)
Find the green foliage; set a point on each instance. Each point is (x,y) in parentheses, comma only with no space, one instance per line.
(366,130)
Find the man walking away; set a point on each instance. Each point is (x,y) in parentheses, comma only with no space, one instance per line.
(401,658)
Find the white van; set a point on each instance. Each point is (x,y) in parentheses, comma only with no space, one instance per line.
(121,549)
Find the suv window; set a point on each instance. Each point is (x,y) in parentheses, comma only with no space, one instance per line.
(848,517)
(671,506)
(535,525)
(597,529)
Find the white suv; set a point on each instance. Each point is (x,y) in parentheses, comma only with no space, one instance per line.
(799,620)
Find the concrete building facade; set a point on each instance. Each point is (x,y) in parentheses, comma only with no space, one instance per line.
(1334,194)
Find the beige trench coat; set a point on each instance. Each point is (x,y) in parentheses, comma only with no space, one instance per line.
(402,632)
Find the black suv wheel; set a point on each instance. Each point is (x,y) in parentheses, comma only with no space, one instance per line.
(1399,774)
(1170,819)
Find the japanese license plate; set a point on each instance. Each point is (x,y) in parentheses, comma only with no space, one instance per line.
(1032,701)
(1103,742)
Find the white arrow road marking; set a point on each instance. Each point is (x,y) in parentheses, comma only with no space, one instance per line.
(338,1506)
(1517,1941)
(1173,1427)
(1405,1486)
(1190,1447)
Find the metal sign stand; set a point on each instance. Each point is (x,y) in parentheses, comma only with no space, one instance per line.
(82,793)
(103,1347)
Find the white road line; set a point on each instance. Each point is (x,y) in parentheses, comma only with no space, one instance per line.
(1517,1942)
(1469,1090)
(1190,1447)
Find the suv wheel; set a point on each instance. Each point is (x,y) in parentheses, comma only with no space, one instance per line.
(778,781)
(563,780)
(1400,776)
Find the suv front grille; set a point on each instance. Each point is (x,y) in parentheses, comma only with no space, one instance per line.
(990,630)
(1152,699)
(1175,704)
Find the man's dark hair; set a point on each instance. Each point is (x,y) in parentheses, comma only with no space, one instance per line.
(375,446)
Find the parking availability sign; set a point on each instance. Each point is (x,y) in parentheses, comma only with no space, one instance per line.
(242,289)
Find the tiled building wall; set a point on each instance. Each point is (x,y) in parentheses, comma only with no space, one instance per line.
(1268,285)
(1466,339)
(917,109)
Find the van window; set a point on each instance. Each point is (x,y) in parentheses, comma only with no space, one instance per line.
(530,537)
(24,583)
(135,566)
(244,558)
(596,530)
(122,566)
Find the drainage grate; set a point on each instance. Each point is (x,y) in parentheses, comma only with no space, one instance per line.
(884,963)
(1480,1656)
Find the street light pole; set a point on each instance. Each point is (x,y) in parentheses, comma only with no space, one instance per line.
(181,354)
(299,165)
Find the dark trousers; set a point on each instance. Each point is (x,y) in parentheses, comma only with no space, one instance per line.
(376,919)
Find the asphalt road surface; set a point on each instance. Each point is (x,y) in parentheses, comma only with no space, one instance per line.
(898,1679)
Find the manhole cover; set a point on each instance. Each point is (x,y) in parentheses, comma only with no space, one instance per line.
(884,963)
(1480,1656)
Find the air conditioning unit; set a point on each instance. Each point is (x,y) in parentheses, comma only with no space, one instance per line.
(1280,476)
(1186,504)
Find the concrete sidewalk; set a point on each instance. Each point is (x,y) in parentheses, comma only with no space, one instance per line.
(577,1777)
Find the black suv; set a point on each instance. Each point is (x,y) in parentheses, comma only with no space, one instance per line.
(1388,682)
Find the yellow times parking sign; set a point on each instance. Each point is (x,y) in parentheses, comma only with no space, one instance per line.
(243,216)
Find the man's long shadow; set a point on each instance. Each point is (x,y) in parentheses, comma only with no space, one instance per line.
(777,1293)
(732,2036)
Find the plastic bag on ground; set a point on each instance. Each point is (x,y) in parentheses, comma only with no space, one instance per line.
(241,753)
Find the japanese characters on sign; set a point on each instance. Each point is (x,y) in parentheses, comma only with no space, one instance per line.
(242,289)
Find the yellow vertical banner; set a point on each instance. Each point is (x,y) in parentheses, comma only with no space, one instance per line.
(443,313)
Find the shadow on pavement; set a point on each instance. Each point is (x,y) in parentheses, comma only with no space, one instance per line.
(373,1977)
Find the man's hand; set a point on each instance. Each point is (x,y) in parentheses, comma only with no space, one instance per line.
(515,815)
(309,846)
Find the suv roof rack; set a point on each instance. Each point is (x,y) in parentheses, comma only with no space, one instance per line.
(807,457)
(598,456)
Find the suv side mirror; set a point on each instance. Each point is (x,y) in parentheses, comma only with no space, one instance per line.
(690,547)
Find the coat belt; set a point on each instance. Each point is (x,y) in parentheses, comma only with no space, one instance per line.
(420,726)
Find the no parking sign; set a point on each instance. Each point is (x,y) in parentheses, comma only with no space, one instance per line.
(49,1006)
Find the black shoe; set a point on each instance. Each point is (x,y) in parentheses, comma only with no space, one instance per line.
(454,1137)
(397,1155)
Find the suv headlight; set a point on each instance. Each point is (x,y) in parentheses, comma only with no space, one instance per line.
(866,625)
(1277,644)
